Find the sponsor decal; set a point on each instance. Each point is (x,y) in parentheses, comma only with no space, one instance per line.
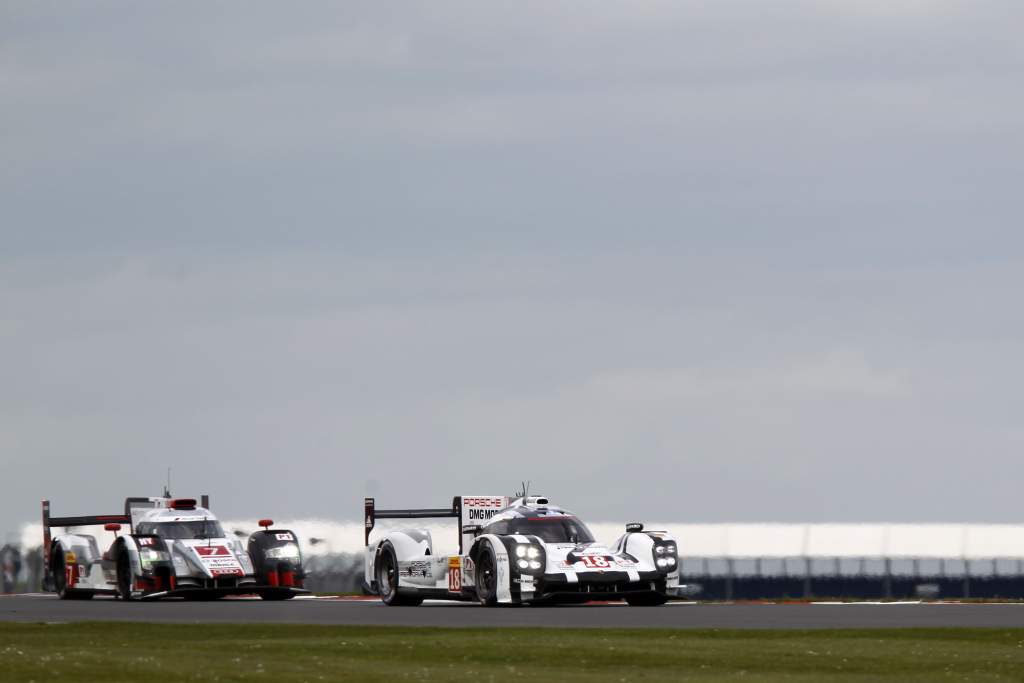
(286,536)
(417,568)
(218,560)
(454,574)
(482,508)
(145,541)
(496,502)
(468,565)
(624,562)
(226,572)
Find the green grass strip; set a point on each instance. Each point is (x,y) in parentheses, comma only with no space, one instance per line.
(283,653)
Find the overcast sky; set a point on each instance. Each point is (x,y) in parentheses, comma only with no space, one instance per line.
(703,261)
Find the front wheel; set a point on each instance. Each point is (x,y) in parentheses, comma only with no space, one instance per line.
(646,600)
(124,575)
(487,577)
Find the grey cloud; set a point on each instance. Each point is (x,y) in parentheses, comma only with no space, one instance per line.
(766,252)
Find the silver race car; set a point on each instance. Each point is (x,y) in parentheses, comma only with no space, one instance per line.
(523,551)
(167,547)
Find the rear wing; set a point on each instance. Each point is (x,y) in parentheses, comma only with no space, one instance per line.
(81,520)
(466,509)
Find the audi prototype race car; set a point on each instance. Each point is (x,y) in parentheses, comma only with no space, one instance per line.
(172,547)
(523,551)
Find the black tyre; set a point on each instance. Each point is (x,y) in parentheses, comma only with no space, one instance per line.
(387,580)
(124,575)
(59,571)
(486,577)
(646,600)
(58,567)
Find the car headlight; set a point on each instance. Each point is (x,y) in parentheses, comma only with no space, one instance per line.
(529,558)
(665,558)
(288,551)
(149,555)
(531,552)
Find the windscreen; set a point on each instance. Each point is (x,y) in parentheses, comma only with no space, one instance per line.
(199,528)
(553,529)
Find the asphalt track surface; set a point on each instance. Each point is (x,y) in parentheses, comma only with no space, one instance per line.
(47,608)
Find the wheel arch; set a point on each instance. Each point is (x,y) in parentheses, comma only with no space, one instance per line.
(501,547)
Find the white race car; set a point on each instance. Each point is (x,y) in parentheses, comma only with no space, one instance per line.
(523,551)
(172,547)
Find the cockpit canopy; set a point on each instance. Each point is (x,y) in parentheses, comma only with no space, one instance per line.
(182,529)
(550,528)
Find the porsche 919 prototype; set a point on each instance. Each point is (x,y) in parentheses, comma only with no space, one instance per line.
(519,552)
(172,548)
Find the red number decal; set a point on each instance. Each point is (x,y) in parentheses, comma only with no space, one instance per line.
(213,550)
(595,561)
(454,579)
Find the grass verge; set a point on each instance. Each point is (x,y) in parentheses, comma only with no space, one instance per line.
(224,652)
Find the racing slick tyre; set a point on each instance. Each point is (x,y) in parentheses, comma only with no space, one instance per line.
(646,600)
(487,577)
(124,575)
(387,579)
(60,578)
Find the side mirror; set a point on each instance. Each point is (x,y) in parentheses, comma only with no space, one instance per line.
(634,526)
(113,526)
(471,529)
(266,523)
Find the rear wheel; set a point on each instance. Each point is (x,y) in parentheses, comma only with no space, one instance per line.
(58,568)
(646,600)
(59,571)
(487,577)
(387,579)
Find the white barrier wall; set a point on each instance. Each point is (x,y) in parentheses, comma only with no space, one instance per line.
(736,541)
